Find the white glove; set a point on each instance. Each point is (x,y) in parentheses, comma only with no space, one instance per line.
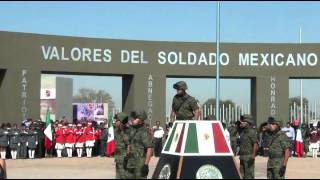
(8,142)
(27,144)
(19,144)
(36,142)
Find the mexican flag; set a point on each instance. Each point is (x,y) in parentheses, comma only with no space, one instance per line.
(197,138)
(48,132)
(111,144)
(299,142)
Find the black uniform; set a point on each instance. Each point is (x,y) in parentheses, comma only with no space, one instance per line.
(23,150)
(4,138)
(40,151)
(32,139)
(14,139)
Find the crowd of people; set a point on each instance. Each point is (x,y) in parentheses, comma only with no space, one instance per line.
(310,136)
(69,139)
(21,142)
(89,139)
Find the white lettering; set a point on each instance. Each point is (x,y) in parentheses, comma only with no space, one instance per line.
(107,55)
(244,60)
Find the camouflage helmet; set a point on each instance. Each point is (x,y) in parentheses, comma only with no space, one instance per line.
(122,117)
(142,115)
(180,85)
(247,118)
(272,120)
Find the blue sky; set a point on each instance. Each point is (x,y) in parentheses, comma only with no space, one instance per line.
(269,22)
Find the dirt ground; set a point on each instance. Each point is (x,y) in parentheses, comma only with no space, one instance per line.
(103,168)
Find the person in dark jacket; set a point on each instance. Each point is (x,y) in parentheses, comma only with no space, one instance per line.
(23,137)
(14,141)
(4,140)
(32,142)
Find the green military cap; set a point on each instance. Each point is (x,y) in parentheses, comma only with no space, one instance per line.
(122,117)
(142,115)
(247,118)
(180,85)
(272,120)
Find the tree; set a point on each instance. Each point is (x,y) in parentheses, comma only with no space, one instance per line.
(86,95)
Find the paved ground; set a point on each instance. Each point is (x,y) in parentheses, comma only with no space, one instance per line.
(103,168)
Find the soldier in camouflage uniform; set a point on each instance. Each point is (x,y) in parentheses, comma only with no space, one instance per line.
(121,136)
(248,147)
(140,148)
(279,151)
(233,131)
(184,106)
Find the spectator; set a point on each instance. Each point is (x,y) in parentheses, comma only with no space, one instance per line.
(158,134)
(314,142)
(290,134)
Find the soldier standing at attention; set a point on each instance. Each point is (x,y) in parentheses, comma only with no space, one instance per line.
(233,131)
(184,106)
(140,148)
(23,136)
(248,147)
(32,141)
(14,141)
(4,140)
(279,151)
(121,136)
(104,140)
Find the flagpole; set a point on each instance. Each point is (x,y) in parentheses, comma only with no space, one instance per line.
(218,62)
(301,89)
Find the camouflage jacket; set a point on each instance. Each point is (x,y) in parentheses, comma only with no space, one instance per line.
(122,141)
(233,133)
(140,141)
(248,137)
(184,106)
(279,142)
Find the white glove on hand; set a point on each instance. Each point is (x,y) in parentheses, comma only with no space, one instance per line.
(27,144)
(36,142)
(19,144)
